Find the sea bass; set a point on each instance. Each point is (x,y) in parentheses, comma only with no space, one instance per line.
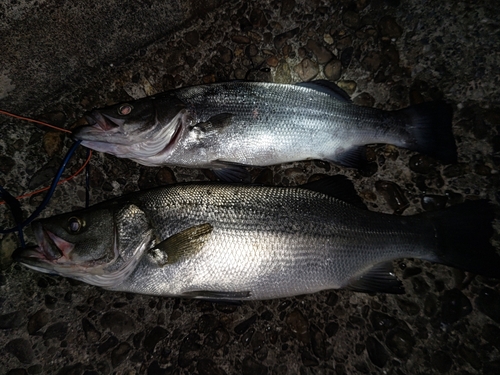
(224,126)
(238,242)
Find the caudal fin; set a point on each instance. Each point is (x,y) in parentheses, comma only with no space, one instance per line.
(463,233)
(430,127)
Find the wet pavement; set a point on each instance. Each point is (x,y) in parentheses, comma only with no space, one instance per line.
(385,54)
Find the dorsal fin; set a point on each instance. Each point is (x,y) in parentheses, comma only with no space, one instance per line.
(327,87)
(337,187)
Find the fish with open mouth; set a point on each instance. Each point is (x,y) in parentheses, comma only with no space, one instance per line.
(241,242)
(225,126)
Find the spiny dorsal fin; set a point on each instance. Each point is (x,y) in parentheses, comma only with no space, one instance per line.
(379,278)
(327,87)
(337,187)
(181,245)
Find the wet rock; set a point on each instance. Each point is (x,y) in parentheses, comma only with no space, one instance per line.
(400,342)
(376,352)
(12,320)
(441,361)
(50,301)
(207,323)
(287,7)
(348,86)
(243,326)
(299,325)
(117,322)
(153,337)
(281,39)
(346,56)
(333,70)
(308,359)
(381,321)
(389,28)
(420,286)
(56,331)
(364,99)
(491,333)
(258,18)
(455,170)
(37,321)
(76,369)
(6,164)
(408,307)
(323,55)
(307,69)
(251,51)
(247,336)
(371,62)
(331,328)
(217,338)
(52,143)
(8,244)
(430,305)
(208,367)
(21,349)
(111,342)
(165,176)
(245,24)
(120,353)
(488,302)
(189,349)
(431,202)
(45,174)
(257,341)
(318,343)
(351,19)
(192,37)
(332,299)
(422,164)
(272,61)
(283,74)
(393,195)
(250,366)
(91,333)
(241,39)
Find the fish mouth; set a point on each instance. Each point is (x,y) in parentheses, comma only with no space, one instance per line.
(51,250)
(98,125)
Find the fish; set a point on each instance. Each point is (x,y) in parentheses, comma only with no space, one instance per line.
(237,242)
(230,125)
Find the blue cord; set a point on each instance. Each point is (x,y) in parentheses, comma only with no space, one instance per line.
(42,206)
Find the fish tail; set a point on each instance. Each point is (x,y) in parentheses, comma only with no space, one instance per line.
(430,127)
(463,235)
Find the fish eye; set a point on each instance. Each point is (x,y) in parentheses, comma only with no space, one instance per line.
(125,109)
(75,224)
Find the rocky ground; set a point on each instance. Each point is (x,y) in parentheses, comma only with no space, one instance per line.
(385,54)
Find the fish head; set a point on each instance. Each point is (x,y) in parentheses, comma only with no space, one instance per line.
(136,130)
(100,245)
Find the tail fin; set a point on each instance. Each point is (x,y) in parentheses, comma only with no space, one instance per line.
(463,233)
(430,126)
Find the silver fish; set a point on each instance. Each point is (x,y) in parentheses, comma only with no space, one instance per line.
(237,242)
(224,126)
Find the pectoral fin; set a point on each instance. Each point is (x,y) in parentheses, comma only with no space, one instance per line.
(214,123)
(181,245)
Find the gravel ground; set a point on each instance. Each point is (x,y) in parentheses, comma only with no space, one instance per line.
(386,54)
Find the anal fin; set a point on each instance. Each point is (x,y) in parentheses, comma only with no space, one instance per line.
(353,157)
(217,295)
(380,278)
(230,172)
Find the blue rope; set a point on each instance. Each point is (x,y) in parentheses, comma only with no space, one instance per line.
(49,194)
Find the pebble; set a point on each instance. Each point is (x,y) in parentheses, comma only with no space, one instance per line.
(348,86)
(346,56)
(411,271)
(491,333)
(308,359)
(323,55)
(307,69)
(257,341)
(381,321)
(488,302)
(471,356)
(318,343)
(430,305)
(393,195)
(12,320)
(371,62)
(389,28)
(281,39)
(351,19)
(287,7)
(21,349)
(45,174)
(120,353)
(111,342)
(91,333)
(455,170)
(192,37)
(420,286)
(52,143)
(422,164)
(154,337)
(208,367)
(331,329)
(250,366)
(258,18)
(298,324)
(117,322)
(376,352)
(56,331)
(333,70)
(408,307)
(50,301)
(243,326)
(441,361)
(76,369)
(37,321)
(431,202)
(189,349)
(283,73)
(400,342)
(218,338)
(364,99)
(240,39)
